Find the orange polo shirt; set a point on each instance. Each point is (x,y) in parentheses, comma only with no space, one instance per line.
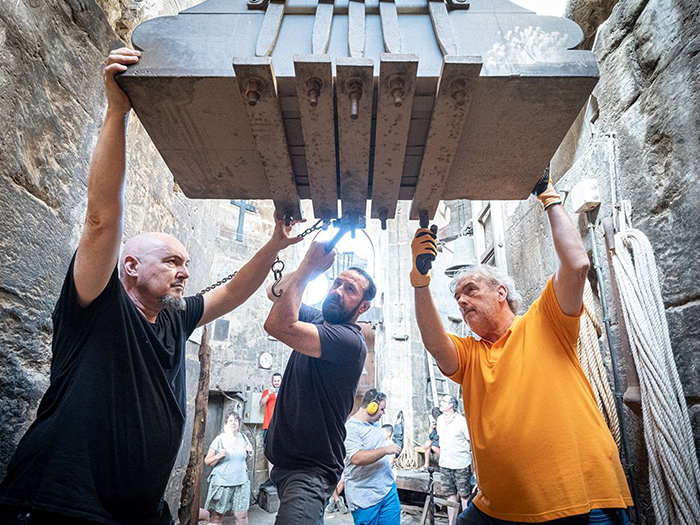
(541,448)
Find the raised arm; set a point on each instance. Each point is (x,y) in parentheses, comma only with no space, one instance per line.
(98,250)
(570,276)
(433,333)
(283,321)
(249,278)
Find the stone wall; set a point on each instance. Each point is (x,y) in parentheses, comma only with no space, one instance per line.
(646,106)
(51,55)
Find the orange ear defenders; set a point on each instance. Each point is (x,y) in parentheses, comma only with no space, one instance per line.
(373,405)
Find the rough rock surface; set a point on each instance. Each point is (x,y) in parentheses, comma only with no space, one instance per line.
(648,97)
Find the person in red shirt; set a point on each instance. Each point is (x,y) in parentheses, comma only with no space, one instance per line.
(268,400)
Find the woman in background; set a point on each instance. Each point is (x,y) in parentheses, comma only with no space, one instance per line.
(229,486)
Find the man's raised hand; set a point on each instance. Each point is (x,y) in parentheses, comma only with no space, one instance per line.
(117,62)
(424,251)
(281,237)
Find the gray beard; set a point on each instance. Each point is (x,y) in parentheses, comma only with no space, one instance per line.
(173,302)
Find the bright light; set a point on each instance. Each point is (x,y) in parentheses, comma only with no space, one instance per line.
(316,290)
(361,246)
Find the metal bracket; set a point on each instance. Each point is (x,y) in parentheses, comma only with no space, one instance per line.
(453,5)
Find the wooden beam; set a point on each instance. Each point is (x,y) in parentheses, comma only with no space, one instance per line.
(314,82)
(454,94)
(258,87)
(397,82)
(390,26)
(444,33)
(188,513)
(270,28)
(322,27)
(356,28)
(354,89)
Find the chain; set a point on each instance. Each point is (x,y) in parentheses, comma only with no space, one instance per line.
(276,267)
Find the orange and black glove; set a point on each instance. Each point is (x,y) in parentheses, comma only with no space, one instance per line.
(424,250)
(545,192)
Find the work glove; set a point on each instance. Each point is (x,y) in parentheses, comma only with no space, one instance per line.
(424,250)
(545,192)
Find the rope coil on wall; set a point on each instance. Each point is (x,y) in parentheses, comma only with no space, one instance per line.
(590,354)
(674,474)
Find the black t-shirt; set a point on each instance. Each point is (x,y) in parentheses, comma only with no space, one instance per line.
(109,427)
(316,396)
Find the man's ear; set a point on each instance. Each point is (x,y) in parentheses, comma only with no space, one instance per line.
(364,307)
(130,266)
(502,292)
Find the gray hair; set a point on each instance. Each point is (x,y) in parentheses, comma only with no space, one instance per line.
(493,276)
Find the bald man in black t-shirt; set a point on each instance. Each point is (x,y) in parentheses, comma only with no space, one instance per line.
(109,427)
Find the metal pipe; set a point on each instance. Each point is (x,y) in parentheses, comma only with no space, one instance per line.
(613,359)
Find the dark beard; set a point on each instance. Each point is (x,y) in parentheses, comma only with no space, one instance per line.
(174,302)
(334,313)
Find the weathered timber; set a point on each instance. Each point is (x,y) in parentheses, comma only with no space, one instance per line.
(323,21)
(444,33)
(356,28)
(188,513)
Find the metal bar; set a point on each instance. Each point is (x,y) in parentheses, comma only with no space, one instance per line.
(257,84)
(447,123)
(270,28)
(397,83)
(356,28)
(354,91)
(444,33)
(314,83)
(322,27)
(390,26)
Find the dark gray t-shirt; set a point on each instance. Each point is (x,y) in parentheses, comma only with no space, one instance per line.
(109,427)
(316,397)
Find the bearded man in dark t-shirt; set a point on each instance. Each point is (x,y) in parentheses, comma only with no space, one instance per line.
(109,427)
(305,441)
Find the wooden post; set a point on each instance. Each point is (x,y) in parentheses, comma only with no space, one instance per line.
(188,512)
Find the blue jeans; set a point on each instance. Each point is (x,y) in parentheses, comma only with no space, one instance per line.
(473,516)
(386,512)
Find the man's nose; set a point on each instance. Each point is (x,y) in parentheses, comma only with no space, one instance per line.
(184,273)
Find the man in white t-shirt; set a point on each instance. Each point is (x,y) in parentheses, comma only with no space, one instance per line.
(455,454)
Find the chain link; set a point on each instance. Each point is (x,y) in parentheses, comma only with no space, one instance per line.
(277,266)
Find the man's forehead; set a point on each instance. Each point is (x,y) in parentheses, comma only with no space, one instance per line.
(472,278)
(354,277)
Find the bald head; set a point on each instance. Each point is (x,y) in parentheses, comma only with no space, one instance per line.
(153,269)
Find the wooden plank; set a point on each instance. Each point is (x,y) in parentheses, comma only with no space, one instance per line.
(390,26)
(397,78)
(322,27)
(314,83)
(444,33)
(354,89)
(356,28)
(455,89)
(258,87)
(270,28)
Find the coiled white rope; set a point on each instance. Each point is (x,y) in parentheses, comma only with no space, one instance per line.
(674,475)
(590,355)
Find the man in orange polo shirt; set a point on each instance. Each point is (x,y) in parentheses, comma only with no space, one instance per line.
(540,447)
(268,400)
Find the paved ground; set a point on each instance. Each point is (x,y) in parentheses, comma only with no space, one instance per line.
(258,516)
